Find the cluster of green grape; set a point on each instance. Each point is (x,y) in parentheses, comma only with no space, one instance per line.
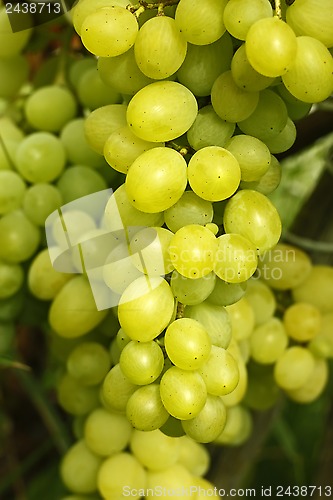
(282,339)
(151,461)
(289,332)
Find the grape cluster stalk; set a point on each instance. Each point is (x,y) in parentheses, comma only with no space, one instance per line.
(165,316)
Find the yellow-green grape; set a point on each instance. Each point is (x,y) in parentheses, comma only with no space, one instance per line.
(187,343)
(214,173)
(231,102)
(209,129)
(41,199)
(145,308)
(238,426)
(150,251)
(92,92)
(284,267)
(192,251)
(236,258)
(202,487)
(302,321)
(322,344)
(316,288)
(120,214)
(175,478)
(225,293)
(240,15)
(11,42)
(78,69)
(162,111)
(88,363)
(156,180)
(79,468)
(244,75)
(11,279)
(101,122)
(14,72)
(314,386)
(115,351)
(122,73)
(214,228)
(296,109)
(145,409)
(7,337)
(244,347)
(122,339)
(76,398)
(106,432)
(310,78)
(183,392)
(284,140)
(189,209)
(122,147)
(83,8)
(160,47)
(118,470)
(261,299)
(154,450)
(312,18)
(73,225)
(220,372)
(119,270)
(193,456)
(191,292)
(268,119)
(141,362)
(209,423)
(201,24)
(77,149)
(269,181)
(49,108)
(262,391)
(242,319)
(32,154)
(215,319)
(271,46)
(237,395)
(268,341)
(117,390)
(109,31)
(253,156)
(172,427)
(294,368)
(73,311)
(253,216)
(204,63)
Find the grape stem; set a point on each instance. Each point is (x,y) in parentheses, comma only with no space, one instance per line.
(180,310)
(183,150)
(141,6)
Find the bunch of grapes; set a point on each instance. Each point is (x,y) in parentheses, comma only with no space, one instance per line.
(163,317)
